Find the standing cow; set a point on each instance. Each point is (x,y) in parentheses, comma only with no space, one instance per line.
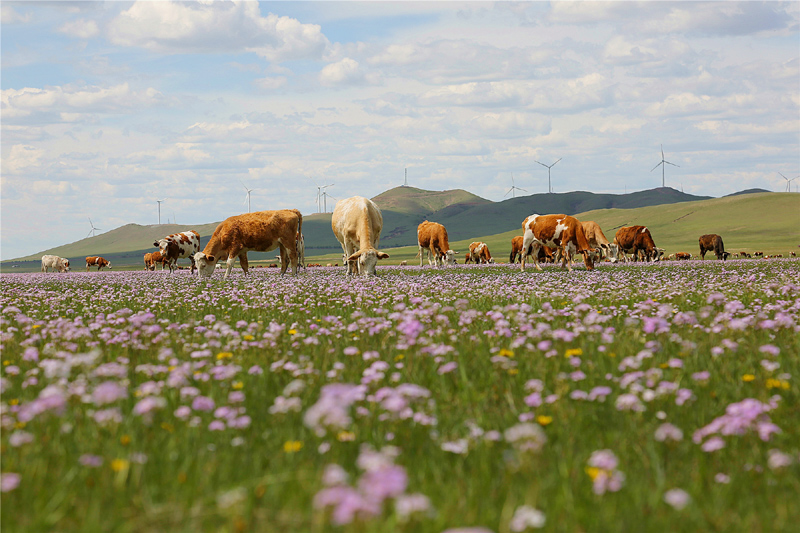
(56,263)
(261,231)
(432,236)
(97,261)
(712,243)
(479,253)
(636,239)
(357,223)
(179,246)
(153,259)
(557,232)
(597,240)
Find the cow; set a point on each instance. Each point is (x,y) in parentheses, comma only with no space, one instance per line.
(468,258)
(516,249)
(758,254)
(432,237)
(793,254)
(260,231)
(179,246)
(56,263)
(300,244)
(357,223)
(555,231)
(635,239)
(479,253)
(712,243)
(153,259)
(683,256)
(598,240)
(403,263)
(97,261)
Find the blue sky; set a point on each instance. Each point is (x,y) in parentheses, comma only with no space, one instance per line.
(107,106)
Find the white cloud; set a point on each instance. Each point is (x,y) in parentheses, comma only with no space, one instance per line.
(215,27)
(270,82)
(22,157)
(82,29)
(344,72)
(8,15)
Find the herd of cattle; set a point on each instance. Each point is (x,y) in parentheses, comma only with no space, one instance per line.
(357,224)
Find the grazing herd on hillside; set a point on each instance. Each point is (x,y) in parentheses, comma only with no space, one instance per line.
(357,224)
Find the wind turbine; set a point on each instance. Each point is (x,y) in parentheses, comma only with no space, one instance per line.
(513,188)
(325,196)
(789,182)
(247,198)
(549,187)
(663,164)
(93,228)
(159,209)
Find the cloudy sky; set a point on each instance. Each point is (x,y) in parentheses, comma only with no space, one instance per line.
(107,106)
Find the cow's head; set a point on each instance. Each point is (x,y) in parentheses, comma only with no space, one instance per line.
(107,264)
(449,257)
(205,264)
(65,265)
(366,260)
(613,252)
(658,253)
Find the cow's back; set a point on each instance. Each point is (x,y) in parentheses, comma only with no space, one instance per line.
(350,215)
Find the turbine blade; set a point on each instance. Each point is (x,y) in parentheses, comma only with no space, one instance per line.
(673,164)
(554,164)
(521,189)
(784,177)
(655,167)
(542,164)
(87,235)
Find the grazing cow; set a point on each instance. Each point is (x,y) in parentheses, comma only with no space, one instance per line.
(468,258)
(758,254)
(328,265)
(635,239)
(260,231)
(357,223)
(712,243)
(516,250)
(56,263)
(479,253)
(179,246)
(97,261)
(683,256)
(403,263)
(793,254)
(597,240)
(555,231)
(153,259)
(432,237)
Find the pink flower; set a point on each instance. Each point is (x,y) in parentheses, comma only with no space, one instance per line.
(216,425)
(447,367)
(9,481)
(202,403)
(713,444)
(667,431)
(677,498)
(108,392)
(92,461)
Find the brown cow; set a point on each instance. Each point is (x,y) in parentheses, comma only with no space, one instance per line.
(97,261)
(597,240)
(261,231)
(432,236)
(683,256)
(555,231)
(153,259)
(712,243)
(635,239)
(479,253)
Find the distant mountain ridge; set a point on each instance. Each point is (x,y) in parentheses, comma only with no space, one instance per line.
(465,215)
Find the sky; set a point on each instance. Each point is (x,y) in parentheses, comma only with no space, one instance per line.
(109,106)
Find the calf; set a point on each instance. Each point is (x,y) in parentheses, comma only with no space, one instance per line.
(403,263)
(153,259)
(357,223)
(712,243)
(56,263)
(97,261)
(432,237)
(555,231)
(178,246)
(636,239)
(261,231)
(479,253)
(598,241)
(683,256)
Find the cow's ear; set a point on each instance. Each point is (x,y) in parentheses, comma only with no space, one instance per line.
(210,258)
(156,244)
(382,255)
(355,256)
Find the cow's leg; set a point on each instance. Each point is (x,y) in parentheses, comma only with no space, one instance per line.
(527,242)
(243,262)
(293,259)
(535,247)
(421,254)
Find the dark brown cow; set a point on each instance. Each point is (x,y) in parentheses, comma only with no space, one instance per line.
(516,249)
(712,243)
(635,239)
(556,231)
(97,261)
(432,237)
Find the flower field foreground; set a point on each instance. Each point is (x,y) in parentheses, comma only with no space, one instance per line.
(645,398)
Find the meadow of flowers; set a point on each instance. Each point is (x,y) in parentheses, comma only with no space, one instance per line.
(632,398)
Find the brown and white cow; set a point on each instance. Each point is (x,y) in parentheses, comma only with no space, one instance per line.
(555,231)
(432,237)
(479,253)
(56,263)
(260,231)
(683,256)
(357,223)
(516,249)
(712,243)
(153,259)
(636,239)
(97,261)
(179,246)
(597,240)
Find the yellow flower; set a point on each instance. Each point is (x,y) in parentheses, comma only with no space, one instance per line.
(773,383)
(573,352)
(513,371)
(167,426)
(505,352)
(612,354)
(663,365)
(544,420)
(36,326)
(118,465)
(13,401)
(125,440)
(748,378)
(593,471)
(399,357)
(292,332)
(292,446)
(224,355)
(248,337)
(19,425)
(238,385)
(346,436)
(6,363)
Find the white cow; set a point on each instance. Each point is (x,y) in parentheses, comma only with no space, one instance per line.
(357,223)
(56,263)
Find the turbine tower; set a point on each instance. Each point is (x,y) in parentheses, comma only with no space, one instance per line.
(789,182)
(325,196)
(247,198)
(514,188)
(663,164)
(159,209)
(91,231)
(549,186)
